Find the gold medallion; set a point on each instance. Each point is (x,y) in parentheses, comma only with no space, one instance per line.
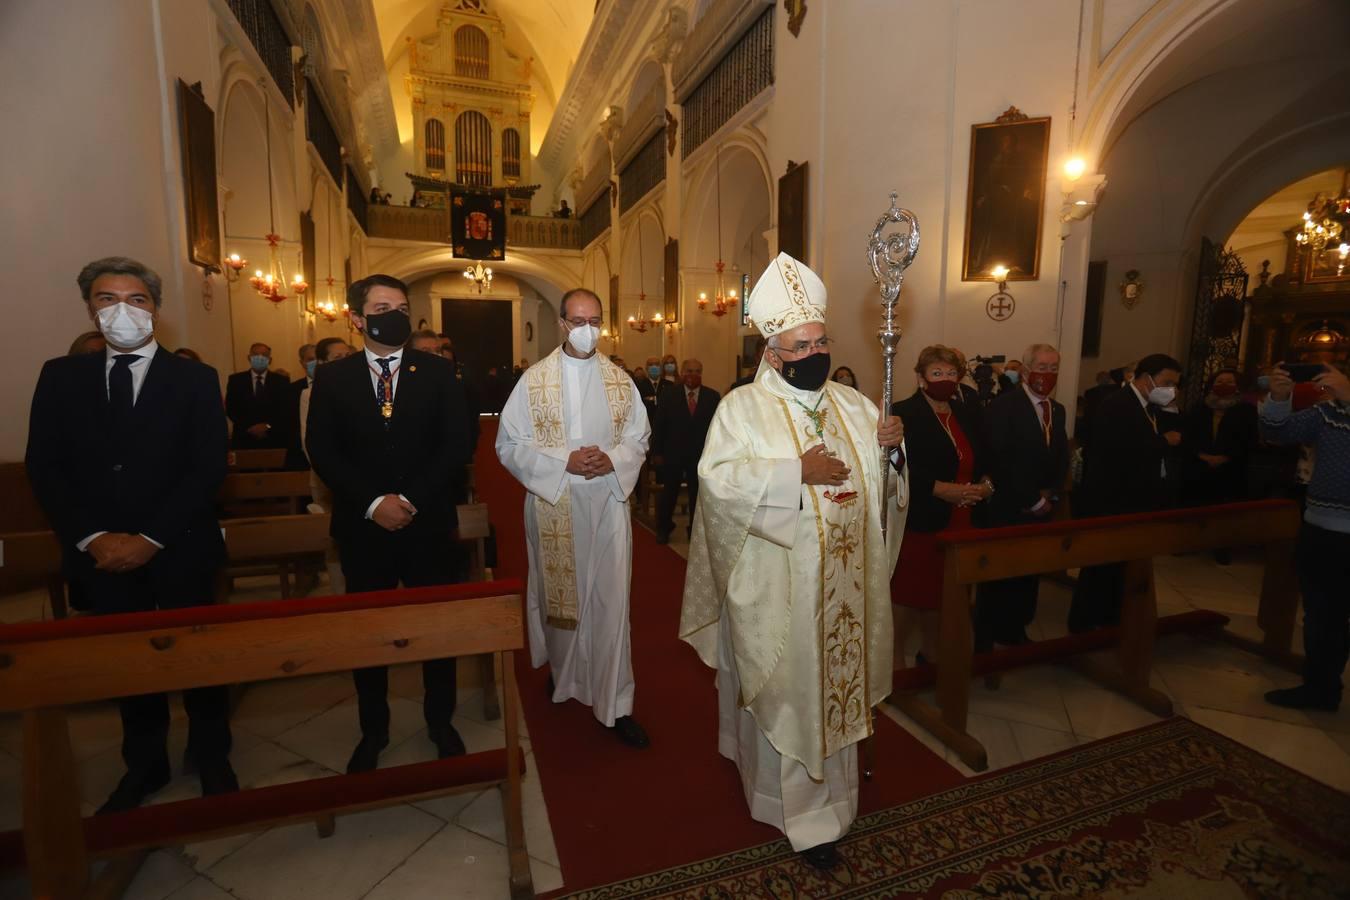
(387,409)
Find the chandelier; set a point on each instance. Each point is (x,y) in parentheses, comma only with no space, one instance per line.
(640,323)
(480,276)
(1325,220)
(327,307)
(271,284)
(722,299)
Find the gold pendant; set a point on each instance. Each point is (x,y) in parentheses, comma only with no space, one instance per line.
(387,409)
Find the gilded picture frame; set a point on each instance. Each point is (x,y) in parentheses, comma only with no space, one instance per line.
(1005,197)
(197,133)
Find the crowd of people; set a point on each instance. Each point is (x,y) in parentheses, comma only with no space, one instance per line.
(128,444)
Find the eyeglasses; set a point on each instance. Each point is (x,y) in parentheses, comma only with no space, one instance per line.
(802,346)
(597,321)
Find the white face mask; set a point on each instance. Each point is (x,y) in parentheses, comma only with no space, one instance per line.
(125,326)
(583,338)
(1162,396)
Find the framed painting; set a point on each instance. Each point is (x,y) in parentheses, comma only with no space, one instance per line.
(792,212)
(1005,198)
(197,132)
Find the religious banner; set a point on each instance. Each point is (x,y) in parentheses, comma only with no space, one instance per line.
(478,222)
(1006,197)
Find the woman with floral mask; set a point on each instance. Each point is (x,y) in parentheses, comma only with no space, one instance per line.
(944,450)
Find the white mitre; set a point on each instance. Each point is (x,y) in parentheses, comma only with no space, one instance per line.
(787,295)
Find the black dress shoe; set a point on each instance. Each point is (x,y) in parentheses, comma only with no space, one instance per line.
(448,742)
(366,756)
(822,856)
(217,777)
(135,787)
(630,732)
(1304,697)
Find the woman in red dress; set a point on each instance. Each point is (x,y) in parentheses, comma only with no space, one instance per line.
(944,450)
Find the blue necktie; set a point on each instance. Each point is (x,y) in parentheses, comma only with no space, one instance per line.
(384,388)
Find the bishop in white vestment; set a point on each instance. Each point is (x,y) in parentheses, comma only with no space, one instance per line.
(788,587)
(574,432)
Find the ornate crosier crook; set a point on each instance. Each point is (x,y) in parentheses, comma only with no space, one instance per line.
(889,258)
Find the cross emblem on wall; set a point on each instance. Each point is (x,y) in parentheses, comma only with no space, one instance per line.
(1001,306)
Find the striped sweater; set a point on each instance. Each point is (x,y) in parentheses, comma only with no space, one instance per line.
(1326,427)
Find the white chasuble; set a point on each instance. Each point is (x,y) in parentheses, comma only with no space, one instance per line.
(787,594)
(578,532)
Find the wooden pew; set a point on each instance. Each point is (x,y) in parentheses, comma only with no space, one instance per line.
(974,556)
(256,460)
(31,559)
(45,667)
(264,493)
(20,512)
(285,545)
(474,529)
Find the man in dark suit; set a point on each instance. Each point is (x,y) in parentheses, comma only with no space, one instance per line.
(1124,471)
(683,413)
(1030,457)
(647,383)
(258,403)
(745,379)
(386,427)
(126,450)
(295,454)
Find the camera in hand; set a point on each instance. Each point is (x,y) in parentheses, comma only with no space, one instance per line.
(1301,372)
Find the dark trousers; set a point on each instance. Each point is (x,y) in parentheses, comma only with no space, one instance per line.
(1097,597)
(672,472)
(1323,560)
(145,719)
(1003,610)
(382,565)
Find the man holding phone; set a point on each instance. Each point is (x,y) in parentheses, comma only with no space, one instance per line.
(1323,555)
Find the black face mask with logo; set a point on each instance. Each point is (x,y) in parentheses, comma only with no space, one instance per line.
(807,373)
(392,328)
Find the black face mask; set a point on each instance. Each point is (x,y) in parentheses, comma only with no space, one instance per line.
(391,328)
(808,373)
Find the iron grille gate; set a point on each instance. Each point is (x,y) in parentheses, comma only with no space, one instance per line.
(1220,310)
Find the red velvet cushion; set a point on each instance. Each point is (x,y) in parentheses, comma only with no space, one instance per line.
(169,824)
(1070,526)
(84,626)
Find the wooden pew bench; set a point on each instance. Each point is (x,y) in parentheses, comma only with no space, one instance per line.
(47,666)
(251,494)
(974,556)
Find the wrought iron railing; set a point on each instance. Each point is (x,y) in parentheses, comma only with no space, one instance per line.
(647,116)
(644,171)
(408,223)
(594,220)
(357,202)
(268,36)
(736,79)
(321,133)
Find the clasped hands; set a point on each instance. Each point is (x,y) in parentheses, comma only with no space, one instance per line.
(393,513)
(591,462)
(967,494)
(120,552)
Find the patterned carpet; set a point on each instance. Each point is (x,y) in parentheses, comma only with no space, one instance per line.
(1170,811)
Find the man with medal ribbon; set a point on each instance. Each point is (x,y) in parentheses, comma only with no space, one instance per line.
(787,592)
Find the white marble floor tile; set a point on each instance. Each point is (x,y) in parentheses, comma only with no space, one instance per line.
(1305,749)
(93,728)
(999,744)
(1029,695)
(1228,690)
(461,864)
(484,817)
(1096,712)
(269,708)
(418,747)
(1033,742)
(292,863)
(200,888)
(916,730)
(161,875)
(330,737)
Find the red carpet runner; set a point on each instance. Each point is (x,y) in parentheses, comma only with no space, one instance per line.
(618,812)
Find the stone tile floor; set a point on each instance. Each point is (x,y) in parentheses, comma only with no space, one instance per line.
(306,727)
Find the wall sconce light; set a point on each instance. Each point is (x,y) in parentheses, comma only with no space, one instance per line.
(234,263)
(1074,167)
(1000,305)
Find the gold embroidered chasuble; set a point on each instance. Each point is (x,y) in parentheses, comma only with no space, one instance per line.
(543,383)
(824,560)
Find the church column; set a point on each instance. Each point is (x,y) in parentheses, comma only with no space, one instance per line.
(1080,200)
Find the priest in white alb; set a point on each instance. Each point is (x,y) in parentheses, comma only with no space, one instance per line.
(787,593)
(574,432)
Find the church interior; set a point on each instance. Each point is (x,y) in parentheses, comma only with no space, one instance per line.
(1108,179)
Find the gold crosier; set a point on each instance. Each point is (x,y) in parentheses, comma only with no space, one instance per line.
(543,381)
